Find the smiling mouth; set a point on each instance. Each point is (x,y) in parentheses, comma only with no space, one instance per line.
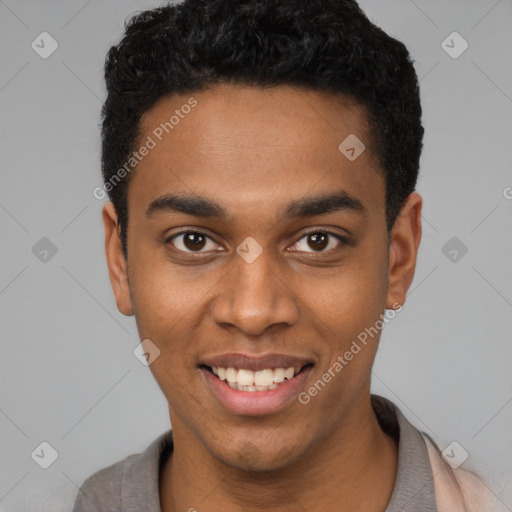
(243,379)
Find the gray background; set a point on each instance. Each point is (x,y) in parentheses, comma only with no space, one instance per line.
(68,373)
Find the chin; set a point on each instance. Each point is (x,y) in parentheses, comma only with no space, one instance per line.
(256,457)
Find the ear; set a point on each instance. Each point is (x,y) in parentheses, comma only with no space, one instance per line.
(403,249)
(117,265)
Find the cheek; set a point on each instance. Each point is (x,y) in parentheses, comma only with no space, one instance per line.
(348,310)
(169,308)
(164,295)
(349,300)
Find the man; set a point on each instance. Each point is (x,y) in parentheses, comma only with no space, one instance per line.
(261,158)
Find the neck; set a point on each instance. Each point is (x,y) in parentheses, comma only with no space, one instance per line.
(353,470)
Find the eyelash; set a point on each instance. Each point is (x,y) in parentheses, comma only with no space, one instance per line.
(340,238)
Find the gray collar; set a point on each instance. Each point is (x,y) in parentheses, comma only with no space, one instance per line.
(414,487)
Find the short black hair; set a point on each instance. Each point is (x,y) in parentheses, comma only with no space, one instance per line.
(324,45)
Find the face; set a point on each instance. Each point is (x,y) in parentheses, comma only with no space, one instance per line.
(254,244)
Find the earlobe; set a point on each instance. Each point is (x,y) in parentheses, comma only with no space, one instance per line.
(403,250)
(116,262)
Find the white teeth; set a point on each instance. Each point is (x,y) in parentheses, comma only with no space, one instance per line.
(279,375)
(231,374)
(289,372)
(263,378)
(248,380)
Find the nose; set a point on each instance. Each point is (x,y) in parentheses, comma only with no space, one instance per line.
(255,296)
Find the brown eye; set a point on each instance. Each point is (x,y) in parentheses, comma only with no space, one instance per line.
(192,241)
(317,241)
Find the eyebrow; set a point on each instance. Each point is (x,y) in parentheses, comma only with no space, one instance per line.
(309,206)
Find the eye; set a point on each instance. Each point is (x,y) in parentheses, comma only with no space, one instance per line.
(319,240)
(192,241)
(196,241)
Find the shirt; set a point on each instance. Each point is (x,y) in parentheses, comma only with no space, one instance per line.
(131,485)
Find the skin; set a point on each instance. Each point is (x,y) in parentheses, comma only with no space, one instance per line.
(253,151)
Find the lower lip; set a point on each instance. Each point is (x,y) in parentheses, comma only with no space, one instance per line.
(256,403)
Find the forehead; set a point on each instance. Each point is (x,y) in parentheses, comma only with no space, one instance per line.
(233,112)
(240,141)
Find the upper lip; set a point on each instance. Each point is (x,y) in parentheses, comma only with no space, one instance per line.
(255,362)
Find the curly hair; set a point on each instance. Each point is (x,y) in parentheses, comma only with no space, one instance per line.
(325,45)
